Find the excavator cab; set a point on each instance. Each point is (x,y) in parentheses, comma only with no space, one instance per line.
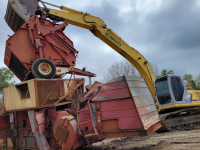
(170,92)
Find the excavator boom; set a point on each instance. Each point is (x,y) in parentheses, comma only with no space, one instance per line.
(99,29)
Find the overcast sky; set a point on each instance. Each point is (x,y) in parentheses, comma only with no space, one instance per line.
(166,32)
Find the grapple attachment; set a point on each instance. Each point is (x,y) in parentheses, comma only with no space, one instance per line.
(19,11)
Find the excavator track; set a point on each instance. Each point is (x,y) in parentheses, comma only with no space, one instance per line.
(185,119)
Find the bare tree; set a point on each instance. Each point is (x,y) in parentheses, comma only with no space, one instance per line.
(124,68)
(154,68)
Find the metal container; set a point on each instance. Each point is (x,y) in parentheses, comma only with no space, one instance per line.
(123,107)
(40,93)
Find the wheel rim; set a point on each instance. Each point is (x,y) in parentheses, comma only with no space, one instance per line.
(44,68)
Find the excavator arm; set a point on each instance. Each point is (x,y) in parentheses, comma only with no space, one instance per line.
(99,29)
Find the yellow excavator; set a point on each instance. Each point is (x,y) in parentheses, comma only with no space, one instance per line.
(178,108)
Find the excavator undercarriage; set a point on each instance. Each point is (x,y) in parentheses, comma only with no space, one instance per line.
(184,119)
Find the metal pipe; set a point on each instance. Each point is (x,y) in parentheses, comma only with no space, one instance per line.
(48,4)
(149,72)
(89,80)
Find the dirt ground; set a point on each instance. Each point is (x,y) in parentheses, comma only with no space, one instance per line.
(174,140)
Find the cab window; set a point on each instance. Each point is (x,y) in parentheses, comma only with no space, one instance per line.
(162,91)
(177,88)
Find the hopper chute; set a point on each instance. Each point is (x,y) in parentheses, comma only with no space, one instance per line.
(19,11)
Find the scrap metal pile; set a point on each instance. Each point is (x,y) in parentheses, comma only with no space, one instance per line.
(57,113)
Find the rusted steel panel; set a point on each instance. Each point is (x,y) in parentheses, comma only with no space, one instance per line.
(112,94)
(138,91)
(136,83)
(123,134)
(51,90)
(115,85)
(28,135)
(116,88)
(149,119)
(93,87)
(146,109)
(109,125)
(40,118)
(61,133)
(118,79)
(109,110)
(40,138)
(124,111)
(154,127)
(4,127)
(85,119)
(93,108)
(61,114)
(67,125)
(88,87)
(129,123)
(143,101)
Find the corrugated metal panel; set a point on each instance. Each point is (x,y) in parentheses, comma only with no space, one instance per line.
(143,100)
(114,89)
(126,103)
(116,80)
(124,111)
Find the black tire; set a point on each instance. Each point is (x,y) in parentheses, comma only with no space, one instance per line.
(37,71)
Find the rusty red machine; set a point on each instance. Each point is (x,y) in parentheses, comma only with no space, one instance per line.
(62,117)
(39,49)
(57,113)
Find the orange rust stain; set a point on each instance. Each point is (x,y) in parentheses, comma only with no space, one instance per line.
(137,81)
(8,58)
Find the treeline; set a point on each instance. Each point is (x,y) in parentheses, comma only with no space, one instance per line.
(6,78)
(125,68)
